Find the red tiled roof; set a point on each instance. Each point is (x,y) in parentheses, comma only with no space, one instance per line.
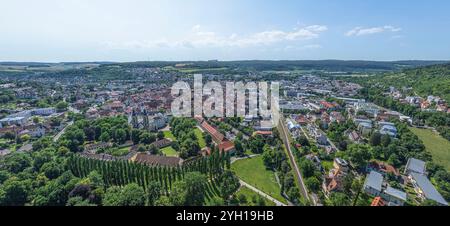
(264,133)
(216,135)
(226,146)
(377,201)
(327,104)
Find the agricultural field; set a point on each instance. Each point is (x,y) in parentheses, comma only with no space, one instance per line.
(436,145)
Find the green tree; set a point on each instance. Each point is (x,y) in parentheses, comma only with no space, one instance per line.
(153,193)
(62,106)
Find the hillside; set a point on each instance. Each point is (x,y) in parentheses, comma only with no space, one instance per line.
(430,80)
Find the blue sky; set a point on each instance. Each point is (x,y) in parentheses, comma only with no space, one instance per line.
(133,30)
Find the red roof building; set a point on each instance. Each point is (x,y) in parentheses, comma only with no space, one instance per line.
(378,201)
(216,135)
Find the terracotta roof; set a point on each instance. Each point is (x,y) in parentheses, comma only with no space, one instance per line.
(216,135)
(226,146)
(378,201)
(264,133)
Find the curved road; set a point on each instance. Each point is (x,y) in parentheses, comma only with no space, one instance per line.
(278,203)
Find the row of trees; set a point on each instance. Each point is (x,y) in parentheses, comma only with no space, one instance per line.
(124,172)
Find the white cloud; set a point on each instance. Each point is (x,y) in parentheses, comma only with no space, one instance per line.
(198,38)
(360,31)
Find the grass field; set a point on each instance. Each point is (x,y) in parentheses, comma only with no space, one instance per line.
(119,151)
(169,135)
(254,172)
(169,151)
(436,145)
(201,139)
(327,165)
(251,197)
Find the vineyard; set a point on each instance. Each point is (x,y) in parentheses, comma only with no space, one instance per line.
(123,172)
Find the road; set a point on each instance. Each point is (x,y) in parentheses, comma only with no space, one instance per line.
(57,136)
(278,203)
(284,136)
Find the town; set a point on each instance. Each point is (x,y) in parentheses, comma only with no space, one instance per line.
(112,126)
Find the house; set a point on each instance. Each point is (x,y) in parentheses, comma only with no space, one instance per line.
(227,147)
(378,201)
(389,130)
(322,139)
(341,164)
(13,121)
(43,111)
(33,130)
(415,166)
(301,120)
(381,167)
(373,184)
(327,105)
(263,133)
(394,197)
(157,122)
(425,189)
(368,108)
(365,128)
(216,135)
(333,182)
(337,117)
(354,136)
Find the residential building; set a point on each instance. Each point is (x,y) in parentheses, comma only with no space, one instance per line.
(415,166)
(425,189)
(373,184)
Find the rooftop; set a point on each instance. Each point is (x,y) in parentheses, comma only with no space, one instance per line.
(395,193)
(427,188)
(374,180)
(415,165)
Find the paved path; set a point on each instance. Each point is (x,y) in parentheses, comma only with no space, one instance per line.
(234,159)
(278,203)
(57,136)
(284,135)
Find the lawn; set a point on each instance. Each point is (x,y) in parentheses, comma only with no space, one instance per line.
(119,152)
(254,172)
(201,139)
(251,197)
(169,151)
(436,145)
(169,135)
(327,165)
